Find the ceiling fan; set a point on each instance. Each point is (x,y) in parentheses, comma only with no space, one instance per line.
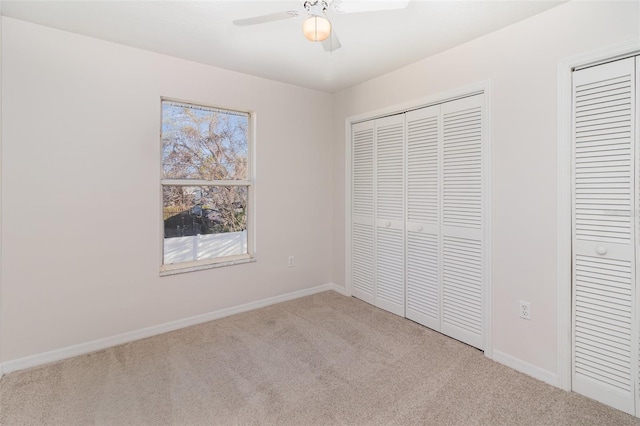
(316,26)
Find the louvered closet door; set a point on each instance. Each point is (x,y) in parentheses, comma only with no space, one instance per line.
(462,243)
(389,247)
(423,216)
(605,357)
(636,141)
(362,205)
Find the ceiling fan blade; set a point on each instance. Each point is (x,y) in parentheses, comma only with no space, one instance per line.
(332,43)
(357,6)
(265,18)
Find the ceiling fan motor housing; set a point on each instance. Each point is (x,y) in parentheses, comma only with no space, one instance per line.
(316,7)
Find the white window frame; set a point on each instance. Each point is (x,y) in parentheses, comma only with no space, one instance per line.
(249,183)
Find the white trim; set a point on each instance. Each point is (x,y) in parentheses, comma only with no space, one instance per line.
(563,236)
(526,368)
(488,219)
(337,288)
(199,265)
(107,342)
(347,207)
(563,215)
(251,196)
(1,185)
(438,98)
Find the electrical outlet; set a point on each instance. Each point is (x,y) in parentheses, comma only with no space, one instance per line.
(525,310)
(292,262)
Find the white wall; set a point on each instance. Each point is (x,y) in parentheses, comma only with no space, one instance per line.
(521,61)
(81,171)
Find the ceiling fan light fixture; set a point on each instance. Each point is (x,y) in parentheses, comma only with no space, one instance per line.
(316,28)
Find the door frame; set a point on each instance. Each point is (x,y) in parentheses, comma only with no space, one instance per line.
(564,212)
(437,98)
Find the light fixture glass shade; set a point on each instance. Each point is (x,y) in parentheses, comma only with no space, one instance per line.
(316,28)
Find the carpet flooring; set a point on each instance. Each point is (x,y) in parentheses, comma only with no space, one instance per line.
(321,360)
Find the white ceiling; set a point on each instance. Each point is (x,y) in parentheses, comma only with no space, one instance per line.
(373,43)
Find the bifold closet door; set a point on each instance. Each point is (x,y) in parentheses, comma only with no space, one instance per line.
(605,330)
(636,219)
(462,242)
(423,216)
(418,195)
(362,208)
(389,214)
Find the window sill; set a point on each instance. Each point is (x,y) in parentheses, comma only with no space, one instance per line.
(181,268)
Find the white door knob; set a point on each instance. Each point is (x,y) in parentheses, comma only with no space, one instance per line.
(420,228)
(601,250)
(387,224)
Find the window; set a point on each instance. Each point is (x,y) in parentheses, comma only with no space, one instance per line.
(206,187)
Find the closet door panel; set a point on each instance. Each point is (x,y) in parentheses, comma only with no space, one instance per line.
(462,247)
(605,356)
(423,286)
(636,319)
(390,270)
(389,212)
(362,208)
(423,216)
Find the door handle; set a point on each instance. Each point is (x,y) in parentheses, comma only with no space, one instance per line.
(420,228)
(601,250)
(387,224)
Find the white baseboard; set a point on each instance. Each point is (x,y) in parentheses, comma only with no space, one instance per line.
(526,368)
(337,288)
(107,342)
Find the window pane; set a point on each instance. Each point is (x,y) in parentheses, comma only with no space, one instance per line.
(203,143)
(204,222)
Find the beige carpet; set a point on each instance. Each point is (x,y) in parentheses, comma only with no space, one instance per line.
(321,360)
